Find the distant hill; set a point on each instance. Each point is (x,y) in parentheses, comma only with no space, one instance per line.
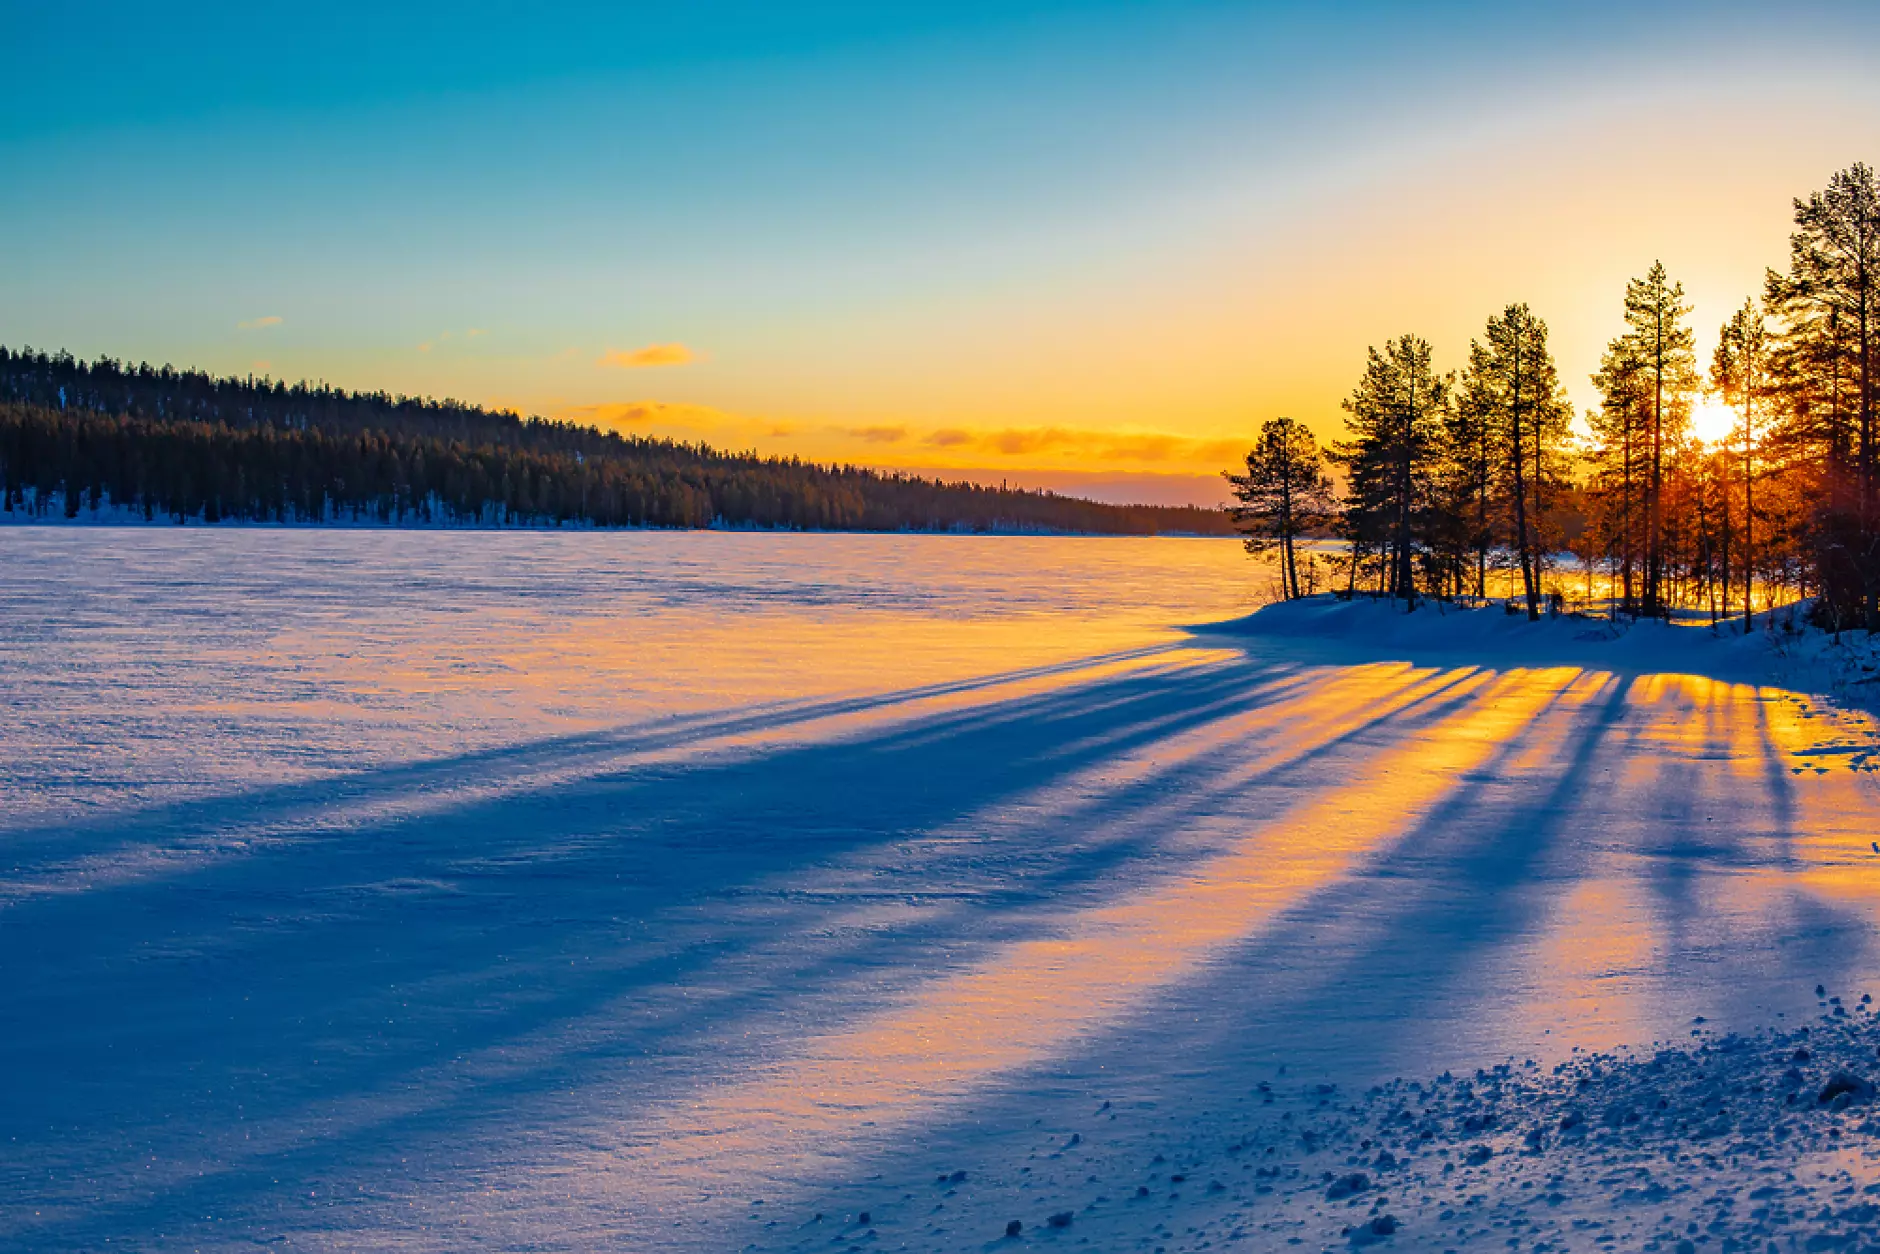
(187,445)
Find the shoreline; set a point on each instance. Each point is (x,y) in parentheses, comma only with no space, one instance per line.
(1783,651)
(131,521)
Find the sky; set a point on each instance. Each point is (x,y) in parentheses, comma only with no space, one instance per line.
(1084,246)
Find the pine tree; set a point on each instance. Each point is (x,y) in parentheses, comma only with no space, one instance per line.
(1738,372)
(1513,390)
(1646,380)
(1284,494)
(1471,454)
(1395,417)
(1827,363)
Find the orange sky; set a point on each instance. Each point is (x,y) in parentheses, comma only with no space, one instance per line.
(1154,370)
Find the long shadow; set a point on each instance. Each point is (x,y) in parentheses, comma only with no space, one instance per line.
(1416,928)
(266,807)
(222,990)
(1706,867)
(509,920)
(1335,980)
(354,966)
(1358,974)
(1330,985)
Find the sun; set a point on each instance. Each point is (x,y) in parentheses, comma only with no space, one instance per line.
(1712,421)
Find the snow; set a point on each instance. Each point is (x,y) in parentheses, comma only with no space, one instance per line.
(1780,648)
(488,891)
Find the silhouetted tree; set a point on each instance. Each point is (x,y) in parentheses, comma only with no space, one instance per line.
(1512,390)
(1738,371)
(1472,455)
(1646,381)
(1395,417)
(1284,494)
(1825,365)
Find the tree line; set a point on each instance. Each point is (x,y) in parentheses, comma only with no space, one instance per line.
(1449,476)
(183,445)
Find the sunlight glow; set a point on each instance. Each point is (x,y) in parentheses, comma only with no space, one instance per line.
(1712,420)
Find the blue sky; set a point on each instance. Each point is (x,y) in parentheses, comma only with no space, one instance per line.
(1076,239)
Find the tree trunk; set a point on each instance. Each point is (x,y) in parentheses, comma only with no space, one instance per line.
(1749,511)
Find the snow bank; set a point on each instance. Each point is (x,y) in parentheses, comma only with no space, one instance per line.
(1783,650)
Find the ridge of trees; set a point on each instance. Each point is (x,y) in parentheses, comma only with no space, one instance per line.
(1447,477)
(188,445)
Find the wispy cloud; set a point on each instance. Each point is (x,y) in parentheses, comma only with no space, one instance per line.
(651,355)
(473,332)
(691,422)
(623,415)
(1096,453)
(877,435)
(1084,444)
(257,324)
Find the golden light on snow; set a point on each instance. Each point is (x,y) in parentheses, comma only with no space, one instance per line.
(1034,999)
(896,864)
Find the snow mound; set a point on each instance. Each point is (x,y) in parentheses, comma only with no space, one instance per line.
(1782,650)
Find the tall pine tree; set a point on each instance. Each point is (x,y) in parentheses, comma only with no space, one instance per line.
(1284,494)
(1738,371)
(1646,382)
(1827,363)
(1395,417)
(1512,389)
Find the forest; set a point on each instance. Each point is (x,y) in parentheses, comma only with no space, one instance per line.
(1452,484)
(183,445)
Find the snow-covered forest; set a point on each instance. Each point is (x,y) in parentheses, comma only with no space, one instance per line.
(162,444)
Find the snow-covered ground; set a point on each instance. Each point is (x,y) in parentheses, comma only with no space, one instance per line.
(457,891)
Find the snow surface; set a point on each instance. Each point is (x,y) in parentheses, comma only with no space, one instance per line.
(452,891)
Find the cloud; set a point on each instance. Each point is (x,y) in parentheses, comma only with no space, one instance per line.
(682,420)
(1018,443)
(878,435)
(696,419)
(651,355)
(1094,459)
(1082,444)
(473,332)
(1116,487)
(256,324)
(626,414)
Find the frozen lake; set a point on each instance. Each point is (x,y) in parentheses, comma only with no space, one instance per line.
(435,890)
